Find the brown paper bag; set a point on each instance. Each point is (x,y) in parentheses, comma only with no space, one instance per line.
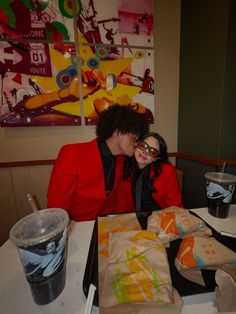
(107,225)
(171,308)
(137,270)
(137,277)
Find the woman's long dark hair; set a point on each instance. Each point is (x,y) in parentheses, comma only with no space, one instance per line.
(131,166)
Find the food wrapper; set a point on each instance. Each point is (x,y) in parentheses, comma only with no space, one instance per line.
(197,253)
(201,252)
(138,270)
(173,222)
(133,276)
(107,225)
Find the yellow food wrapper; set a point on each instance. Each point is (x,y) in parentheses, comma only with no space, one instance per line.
(173,222)
(107,225)
(137,270)
(111,233)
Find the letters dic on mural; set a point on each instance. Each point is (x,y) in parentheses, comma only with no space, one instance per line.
(57,56)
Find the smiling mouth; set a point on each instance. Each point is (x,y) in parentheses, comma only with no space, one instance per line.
(143,157)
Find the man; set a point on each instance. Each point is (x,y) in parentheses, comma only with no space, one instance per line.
(86,176)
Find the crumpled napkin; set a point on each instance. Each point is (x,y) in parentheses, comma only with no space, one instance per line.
(225,293)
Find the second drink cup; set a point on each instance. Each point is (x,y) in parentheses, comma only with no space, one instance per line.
(220,188)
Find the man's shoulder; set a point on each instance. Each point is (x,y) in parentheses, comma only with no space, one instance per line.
(79,146)
(77,149)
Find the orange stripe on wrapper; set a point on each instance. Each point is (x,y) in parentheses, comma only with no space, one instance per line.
(168,223)
(185,253)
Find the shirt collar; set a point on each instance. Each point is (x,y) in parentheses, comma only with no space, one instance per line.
(105,150)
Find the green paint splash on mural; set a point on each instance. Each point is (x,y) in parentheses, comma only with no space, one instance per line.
(39,5)
(4,5)
(66,8)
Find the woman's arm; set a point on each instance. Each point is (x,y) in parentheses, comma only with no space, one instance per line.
(168,192)
(174,196)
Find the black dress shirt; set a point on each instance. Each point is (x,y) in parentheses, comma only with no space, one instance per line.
(142,193)
(108,162)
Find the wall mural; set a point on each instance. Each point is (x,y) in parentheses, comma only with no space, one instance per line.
(63,60)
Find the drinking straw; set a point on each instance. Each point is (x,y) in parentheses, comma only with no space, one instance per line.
(32,202)
(89,302)
(223,167)
(228,234)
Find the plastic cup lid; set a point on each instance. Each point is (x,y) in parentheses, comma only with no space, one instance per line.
(219,177)
(39,227)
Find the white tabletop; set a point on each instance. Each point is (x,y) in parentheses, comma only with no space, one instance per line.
(221,225)
(15,295)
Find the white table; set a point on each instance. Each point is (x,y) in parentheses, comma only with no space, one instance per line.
(15,295)
(221,225)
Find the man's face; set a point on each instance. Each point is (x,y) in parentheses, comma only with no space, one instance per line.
(127,143)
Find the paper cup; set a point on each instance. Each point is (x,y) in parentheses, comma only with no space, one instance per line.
(220,188)
(41,240)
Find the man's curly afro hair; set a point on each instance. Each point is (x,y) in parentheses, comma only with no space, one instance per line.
(121,118)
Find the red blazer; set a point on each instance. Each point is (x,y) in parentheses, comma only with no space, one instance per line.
(168,192)
(77,182)
(166,184)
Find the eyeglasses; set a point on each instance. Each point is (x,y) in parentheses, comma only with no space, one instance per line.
(152,152)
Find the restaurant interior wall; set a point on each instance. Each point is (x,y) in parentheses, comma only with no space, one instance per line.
(207,107)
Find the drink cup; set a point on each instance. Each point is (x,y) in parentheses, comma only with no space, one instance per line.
(220,188)
(41,241)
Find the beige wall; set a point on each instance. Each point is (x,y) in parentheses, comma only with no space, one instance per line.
(16,182)
(167,52)
(41,143)
(36,143)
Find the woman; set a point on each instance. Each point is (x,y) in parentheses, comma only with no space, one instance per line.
(151,176)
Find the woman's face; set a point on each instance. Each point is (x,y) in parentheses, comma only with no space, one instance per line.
(146,151)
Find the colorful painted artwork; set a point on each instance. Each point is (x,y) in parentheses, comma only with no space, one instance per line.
(29,100)
(117,22)
(59,58)
(127,80)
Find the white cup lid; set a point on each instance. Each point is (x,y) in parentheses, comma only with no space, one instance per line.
(219,177)
(39,227)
